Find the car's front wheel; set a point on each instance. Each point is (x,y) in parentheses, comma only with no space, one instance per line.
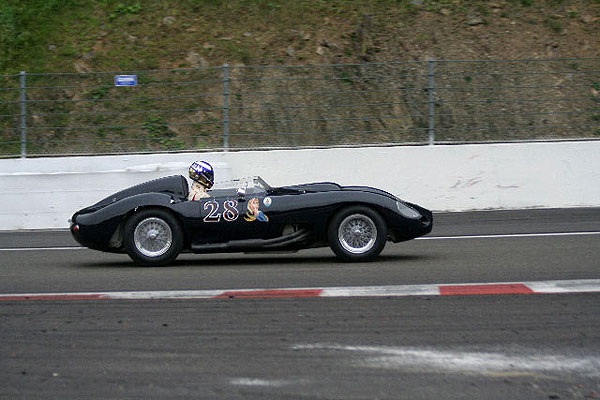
(152,237)
(357,233)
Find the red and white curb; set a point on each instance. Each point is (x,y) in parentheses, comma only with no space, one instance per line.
(500,288)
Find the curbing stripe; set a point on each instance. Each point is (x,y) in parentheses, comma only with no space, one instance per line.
(497,288)
(468,290)
(270,294)
(57,296)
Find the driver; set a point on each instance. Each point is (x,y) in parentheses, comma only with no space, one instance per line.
(203,178)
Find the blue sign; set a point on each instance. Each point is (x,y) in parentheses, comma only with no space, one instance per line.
(125,80)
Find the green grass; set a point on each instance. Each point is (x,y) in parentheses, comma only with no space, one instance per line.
(28,28)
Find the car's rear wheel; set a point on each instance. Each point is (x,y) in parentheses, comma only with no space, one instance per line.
(357,233)
(152,237)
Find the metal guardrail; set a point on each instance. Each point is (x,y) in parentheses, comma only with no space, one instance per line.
(239,107)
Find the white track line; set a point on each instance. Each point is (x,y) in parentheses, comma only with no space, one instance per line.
(510,235)
(43,248)
(461,289)
(498,236)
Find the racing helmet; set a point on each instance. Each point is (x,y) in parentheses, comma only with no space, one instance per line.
(202,172)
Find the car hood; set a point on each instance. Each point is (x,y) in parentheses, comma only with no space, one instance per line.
(314,187)
(370,190)
(331,187)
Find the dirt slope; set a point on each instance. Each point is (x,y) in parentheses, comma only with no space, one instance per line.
(78,35)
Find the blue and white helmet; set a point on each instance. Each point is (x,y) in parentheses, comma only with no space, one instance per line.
(202,172)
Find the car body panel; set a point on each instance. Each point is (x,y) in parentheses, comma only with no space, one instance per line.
(288,217)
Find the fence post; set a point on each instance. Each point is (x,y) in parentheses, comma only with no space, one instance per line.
(225,106)
(23,115)
(431,101)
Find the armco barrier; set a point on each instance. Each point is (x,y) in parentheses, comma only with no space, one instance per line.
(44,192)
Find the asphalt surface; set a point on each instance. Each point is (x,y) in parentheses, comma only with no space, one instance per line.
(493,347)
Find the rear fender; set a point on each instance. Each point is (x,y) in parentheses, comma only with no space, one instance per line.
(108,220)
(116,240)
(123,207)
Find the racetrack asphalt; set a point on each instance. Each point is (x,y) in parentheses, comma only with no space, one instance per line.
(493,347)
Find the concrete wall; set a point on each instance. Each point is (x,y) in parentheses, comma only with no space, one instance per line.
(43,193)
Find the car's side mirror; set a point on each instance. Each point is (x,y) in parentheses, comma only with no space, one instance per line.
(241,193)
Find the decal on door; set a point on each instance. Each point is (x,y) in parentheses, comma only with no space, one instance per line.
(254,213)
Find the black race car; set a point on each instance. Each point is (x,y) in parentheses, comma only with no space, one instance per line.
(153,222)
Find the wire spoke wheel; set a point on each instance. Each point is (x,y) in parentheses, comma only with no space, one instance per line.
(153,237)
(357,233)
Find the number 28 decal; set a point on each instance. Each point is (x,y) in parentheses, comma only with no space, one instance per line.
(230,211)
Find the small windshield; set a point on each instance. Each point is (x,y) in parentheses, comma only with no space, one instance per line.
(252,183)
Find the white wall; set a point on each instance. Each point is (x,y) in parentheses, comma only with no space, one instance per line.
(44,192)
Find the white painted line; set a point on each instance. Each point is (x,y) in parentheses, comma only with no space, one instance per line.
(453,289)
(381,291)
(43,248)
(570,286)
(498,236)
(132,295)
(165,295)
(509,235)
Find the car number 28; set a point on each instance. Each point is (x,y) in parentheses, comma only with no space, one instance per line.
(230,212)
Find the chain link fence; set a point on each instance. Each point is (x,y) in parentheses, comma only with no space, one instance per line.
(248,107)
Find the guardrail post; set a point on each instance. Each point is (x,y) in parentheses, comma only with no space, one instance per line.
(225,106)
(431,101)
(23,115)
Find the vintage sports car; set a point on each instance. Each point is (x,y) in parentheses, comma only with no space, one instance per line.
(153,222)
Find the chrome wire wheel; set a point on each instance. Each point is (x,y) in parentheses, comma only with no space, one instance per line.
(153,237)
(357,233)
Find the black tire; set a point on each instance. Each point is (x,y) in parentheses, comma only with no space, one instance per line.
(152,237)
(357,233)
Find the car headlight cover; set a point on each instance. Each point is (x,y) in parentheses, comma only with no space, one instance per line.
(407,211)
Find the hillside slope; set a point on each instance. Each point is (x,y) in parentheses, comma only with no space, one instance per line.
(338,72)
(109,35)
